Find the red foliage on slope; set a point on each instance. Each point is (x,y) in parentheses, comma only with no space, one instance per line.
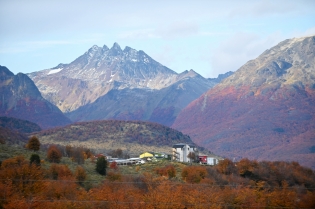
(268,124)
(36,111)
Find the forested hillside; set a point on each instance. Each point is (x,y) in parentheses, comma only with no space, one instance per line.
(22,126)
(132,136)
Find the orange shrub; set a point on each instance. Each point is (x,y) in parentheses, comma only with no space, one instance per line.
(194,174)
(168,170)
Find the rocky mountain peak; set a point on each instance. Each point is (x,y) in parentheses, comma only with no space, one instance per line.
(191,73)
(92,52)
(291,61)
(4,71)
(105,48)
(115,50)
(129,50)
(93,49)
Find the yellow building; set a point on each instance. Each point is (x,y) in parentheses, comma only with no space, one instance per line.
(146,154)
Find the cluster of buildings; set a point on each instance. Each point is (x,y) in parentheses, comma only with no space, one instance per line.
(180,152)
(189,153)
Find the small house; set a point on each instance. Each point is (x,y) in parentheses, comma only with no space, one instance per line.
(209,159)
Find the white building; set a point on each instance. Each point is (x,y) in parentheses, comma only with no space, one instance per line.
(180,152)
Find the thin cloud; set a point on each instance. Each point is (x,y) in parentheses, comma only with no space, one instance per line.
(28,46)
(238,49)
(171,31)
(139,34)
(178,29)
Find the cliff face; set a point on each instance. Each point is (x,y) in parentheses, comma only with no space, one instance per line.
(265,110)
(20,98)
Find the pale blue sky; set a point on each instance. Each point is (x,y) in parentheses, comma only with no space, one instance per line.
(210,37)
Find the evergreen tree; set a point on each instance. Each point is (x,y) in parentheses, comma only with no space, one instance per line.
(101,165)
(35,159)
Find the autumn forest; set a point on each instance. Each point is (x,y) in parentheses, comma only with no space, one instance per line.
(46,181)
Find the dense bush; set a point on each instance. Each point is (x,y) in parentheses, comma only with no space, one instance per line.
(168,171)
(194,174)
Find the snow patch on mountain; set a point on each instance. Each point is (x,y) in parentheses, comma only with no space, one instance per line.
(54,71)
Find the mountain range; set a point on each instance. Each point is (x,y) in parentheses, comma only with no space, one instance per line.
(264,111)
(111,83)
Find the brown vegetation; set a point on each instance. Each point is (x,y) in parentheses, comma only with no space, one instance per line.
(270,185)
(33,144)
(265,126)
(168,171)
(53,154)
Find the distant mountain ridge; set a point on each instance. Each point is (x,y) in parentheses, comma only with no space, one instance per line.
(21,99)
(264,111)
(100,79)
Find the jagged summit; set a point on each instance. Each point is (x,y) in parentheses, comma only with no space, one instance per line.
(101,69)
(116,46)
(128,49)
(105,48)
(124,84)
(115,50)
